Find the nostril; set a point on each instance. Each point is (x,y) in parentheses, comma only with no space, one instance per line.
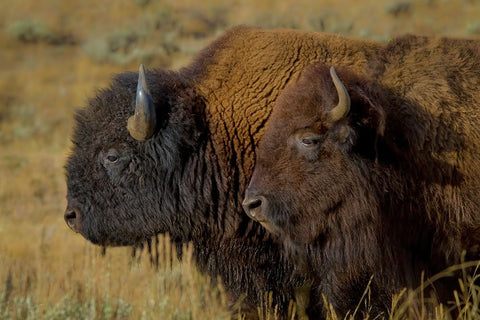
(253,206)
(71,219)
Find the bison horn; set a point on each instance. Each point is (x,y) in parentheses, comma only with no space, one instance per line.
(343,106)
(142,124)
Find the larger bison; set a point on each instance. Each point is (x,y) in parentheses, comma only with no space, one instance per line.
(182,165)
(371,180)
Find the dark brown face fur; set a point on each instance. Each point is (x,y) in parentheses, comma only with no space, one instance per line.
(121,191)
(308,169)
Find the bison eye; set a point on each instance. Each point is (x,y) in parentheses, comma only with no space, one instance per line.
(111,157)
(310,141)
(307,142)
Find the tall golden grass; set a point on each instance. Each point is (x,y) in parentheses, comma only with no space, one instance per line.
(84,284)
(46,271)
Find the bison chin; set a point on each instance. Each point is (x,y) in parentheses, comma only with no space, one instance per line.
(113,238)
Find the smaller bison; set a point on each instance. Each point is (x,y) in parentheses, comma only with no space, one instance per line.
(373,180)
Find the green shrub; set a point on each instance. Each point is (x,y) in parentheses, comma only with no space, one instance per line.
(28,30)
(397,8)
(141,3)
(473,28)
(124,39)
(131,45)
(115,47)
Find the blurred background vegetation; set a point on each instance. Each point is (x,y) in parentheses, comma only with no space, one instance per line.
(54,54)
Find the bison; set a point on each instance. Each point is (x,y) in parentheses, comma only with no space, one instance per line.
(164,151)
(370,180)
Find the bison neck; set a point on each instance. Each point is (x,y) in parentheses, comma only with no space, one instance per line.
(227,244)
(365,246)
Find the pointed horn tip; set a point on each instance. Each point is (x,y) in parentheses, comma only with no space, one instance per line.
(142,80)
(141,69)
(332,71)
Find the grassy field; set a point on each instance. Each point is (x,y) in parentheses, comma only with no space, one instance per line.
(54,54)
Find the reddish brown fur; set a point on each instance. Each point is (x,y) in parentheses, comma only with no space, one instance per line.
(188,179)
(391,190)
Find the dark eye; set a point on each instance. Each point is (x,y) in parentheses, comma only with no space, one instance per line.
(307,142)
(112,156)
(310,141)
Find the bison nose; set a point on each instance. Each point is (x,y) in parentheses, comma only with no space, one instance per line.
(72,217)
(253,206)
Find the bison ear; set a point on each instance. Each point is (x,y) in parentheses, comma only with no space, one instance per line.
(369,113)
(367,120)
(345,135)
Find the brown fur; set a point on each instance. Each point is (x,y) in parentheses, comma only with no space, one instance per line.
(242,73)
(392,189)
(189,178)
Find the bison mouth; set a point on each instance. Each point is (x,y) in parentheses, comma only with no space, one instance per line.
(271,227)
(258,209)
(114,240)
(75,221)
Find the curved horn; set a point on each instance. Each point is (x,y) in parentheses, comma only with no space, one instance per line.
(142,124)
(343,106)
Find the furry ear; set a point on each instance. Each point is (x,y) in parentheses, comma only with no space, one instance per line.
(367,118)
(371,113)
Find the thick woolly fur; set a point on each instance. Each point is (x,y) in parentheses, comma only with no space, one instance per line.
(392,189)
(188,180)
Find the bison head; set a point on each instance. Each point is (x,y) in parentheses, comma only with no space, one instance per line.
(127,145)
(310,181)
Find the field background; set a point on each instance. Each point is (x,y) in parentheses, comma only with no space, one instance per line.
(54,54)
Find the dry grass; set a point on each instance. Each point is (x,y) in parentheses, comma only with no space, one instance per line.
(75,281)
(53,55)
